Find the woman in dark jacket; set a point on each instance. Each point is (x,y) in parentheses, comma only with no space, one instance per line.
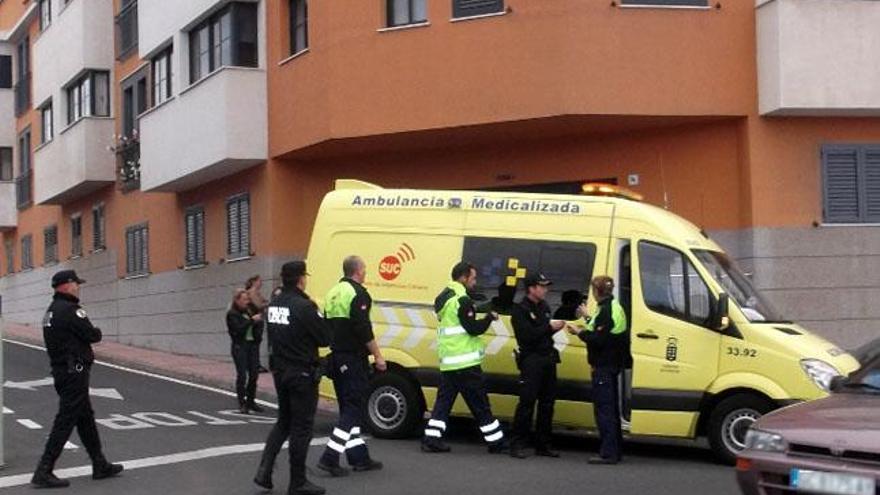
(245,330)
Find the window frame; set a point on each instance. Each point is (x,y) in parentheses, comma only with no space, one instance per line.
(83,93)
(139,102)
(461,10)
(9,247)
(99,228)
(390,13)
(207,59)
(194,253)
(865,198)
(47,132)
(127,10)
(161,88)
(6,78)
(7,163)
(50,249)
(45,12)
(244,241)
(295,23)
(76,237)
(137,250)
(27,252)
(666,3)
(687,265)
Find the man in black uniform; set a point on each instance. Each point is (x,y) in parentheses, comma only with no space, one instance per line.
(69,336)
(347,308)
(296,331)
(537,363)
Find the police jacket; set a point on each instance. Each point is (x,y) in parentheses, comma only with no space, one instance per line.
(347,309)
(237,324)
(296,331)
(607,338)
(68,333)
(531,325)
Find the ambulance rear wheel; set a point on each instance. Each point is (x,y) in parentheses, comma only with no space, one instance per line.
(730,420)
(394,406)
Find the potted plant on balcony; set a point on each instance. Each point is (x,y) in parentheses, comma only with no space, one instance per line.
(128,160)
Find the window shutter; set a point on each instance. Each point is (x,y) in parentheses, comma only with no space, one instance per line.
(190,238)
(200,236)
(467,8)
(245,226)
(232,244)
(129,251)
(871,179)
(841,170)
(145,250)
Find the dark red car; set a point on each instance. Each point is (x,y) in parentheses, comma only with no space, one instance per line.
(829,446)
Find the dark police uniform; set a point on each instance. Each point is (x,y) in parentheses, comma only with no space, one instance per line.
(69,336)
(607,342)
(296,330)
(537,364)
(347,309)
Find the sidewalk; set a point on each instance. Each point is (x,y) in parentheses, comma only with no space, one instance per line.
(203,371)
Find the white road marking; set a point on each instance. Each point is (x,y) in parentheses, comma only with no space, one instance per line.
(31,385)
(70,446)
(162,460)
(6,410)
(157,376)
(107,393)
(30,424)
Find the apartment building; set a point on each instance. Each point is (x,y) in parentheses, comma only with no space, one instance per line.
(168,150)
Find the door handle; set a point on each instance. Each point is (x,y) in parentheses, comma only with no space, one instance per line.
(650,336)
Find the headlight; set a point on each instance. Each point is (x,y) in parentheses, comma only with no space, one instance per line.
(820,372)
(764,442)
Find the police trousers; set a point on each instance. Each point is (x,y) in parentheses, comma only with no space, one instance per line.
(74,411)
(351,379)
(606,409)
(471,384)
(537,384)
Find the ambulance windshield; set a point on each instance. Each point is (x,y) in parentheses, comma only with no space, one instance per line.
(756,308)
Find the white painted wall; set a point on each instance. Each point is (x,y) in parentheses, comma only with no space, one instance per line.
(818,57)
(7,117)
(76,157)
(215,128)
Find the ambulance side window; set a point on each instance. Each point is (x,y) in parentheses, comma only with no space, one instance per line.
(568,264)
(671,285)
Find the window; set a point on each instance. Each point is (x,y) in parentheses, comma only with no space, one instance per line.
(137,253)
(238,225)
(89,95)
(5,72)
(195,236)
(667,3)
(6,164)
(126,28)
(50,245)
(27,260)
(671,285)
(99,241)
(469,8)
(46,131)
(10,256)
(45,8)
(134,101)
(76,245)
(403,12)
(162,76)
(227,38)
(22,77)
(500,262)
(299,25)
(23,182)
(851,176)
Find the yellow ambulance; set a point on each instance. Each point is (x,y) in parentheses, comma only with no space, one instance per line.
(710,354)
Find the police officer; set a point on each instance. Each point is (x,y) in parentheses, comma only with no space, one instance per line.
(347,308)
(607,352)
(69,336)
(296,331)
(537,364)
(461,351)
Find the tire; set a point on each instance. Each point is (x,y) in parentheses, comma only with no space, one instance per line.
(394,406)
(729,421)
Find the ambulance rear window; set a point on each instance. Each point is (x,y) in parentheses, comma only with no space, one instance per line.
(501,261)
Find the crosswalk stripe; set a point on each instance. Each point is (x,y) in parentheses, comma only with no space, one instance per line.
(70,446)
(6,410)
(29,424)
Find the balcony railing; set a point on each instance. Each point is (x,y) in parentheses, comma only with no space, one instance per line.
(127,30)
(22,94)
(23,191)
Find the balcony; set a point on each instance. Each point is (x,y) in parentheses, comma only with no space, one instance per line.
(214,128)
(818,57)
(22,90)
(83,35)
(75,163)
(8,205)
(23,192)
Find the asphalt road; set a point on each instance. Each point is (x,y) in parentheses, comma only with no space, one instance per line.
(177,438)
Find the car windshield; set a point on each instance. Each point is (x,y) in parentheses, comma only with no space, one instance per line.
(756,308)
(866,380)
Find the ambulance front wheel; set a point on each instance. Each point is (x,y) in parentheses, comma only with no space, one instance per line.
(394,406)
(730,420)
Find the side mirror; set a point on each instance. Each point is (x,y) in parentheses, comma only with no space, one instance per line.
(837,383)
(720,320)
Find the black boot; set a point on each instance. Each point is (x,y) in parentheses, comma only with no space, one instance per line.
(103,470)
(44,478)
(263,478)
(306,488)
(253,407)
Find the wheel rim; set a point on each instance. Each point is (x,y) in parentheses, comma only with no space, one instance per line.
(387,408)
(735,426)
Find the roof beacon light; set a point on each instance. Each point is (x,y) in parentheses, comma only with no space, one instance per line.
(600,189)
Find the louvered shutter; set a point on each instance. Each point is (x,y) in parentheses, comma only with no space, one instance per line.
(245,226)
(200,236)
(190,238)
(675,3)
(238,213)
(871,181)
(841,173)
(129,251)
(468,8)
(145,250)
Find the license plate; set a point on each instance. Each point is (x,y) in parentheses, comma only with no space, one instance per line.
(832,483)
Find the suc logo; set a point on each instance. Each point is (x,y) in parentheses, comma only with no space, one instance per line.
(391,265)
